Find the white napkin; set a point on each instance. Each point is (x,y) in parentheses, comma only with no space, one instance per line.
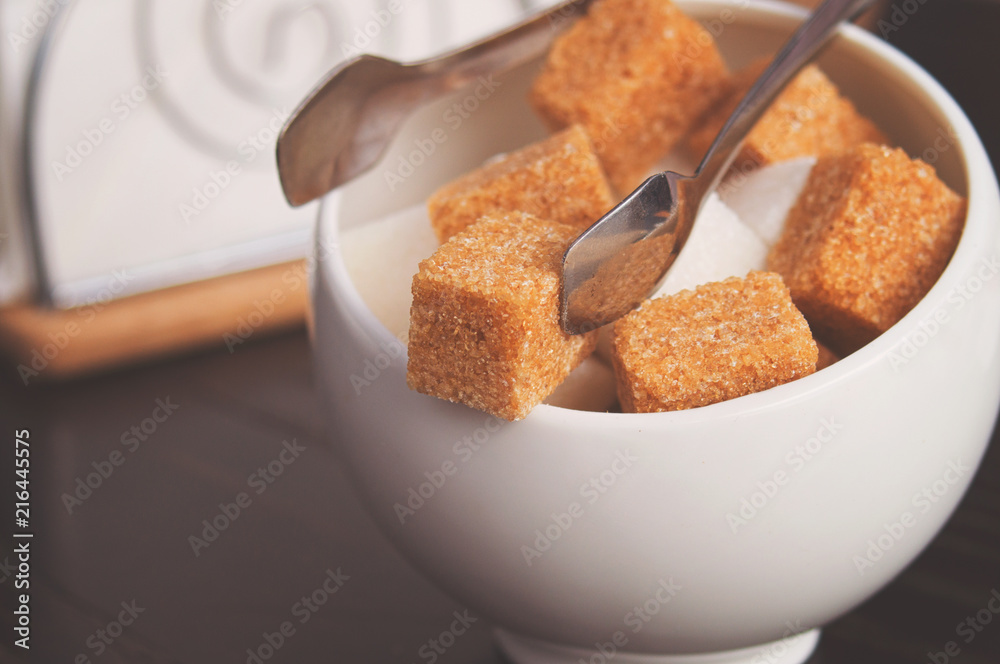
(155,154)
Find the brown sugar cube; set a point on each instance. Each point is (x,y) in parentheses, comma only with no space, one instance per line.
(719,341)
(809,118)
(559,178)
(637,74)
(869,235)
(484,324)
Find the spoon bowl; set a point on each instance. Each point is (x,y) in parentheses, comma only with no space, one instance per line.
(347,122)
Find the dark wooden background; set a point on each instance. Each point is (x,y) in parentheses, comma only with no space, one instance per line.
(128,542)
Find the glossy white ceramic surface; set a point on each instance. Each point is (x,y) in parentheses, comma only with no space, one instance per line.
(716,529)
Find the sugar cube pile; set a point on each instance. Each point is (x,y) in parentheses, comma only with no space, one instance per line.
(382,256)
(819,239)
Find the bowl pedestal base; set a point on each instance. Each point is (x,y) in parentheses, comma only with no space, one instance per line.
(524,650)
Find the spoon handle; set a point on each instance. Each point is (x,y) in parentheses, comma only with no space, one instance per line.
(499,52)
(797,52)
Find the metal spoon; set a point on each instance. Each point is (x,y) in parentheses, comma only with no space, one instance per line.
(343,128)
(620,260)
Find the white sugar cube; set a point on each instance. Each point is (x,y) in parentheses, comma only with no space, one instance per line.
(763,198)
(720,246)
(591,386)
(382,257)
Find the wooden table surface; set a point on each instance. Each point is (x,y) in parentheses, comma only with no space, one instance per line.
(125,548)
